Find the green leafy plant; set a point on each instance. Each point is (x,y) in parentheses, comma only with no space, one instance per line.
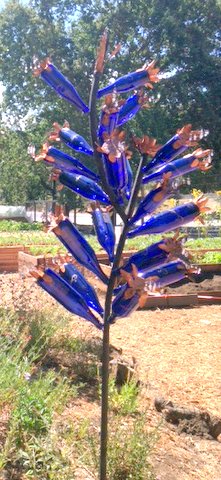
(13,226)
(211,257)
(129,449)
(123,400)
(35,405)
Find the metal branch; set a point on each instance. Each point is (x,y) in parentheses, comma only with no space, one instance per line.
(136,186)
(106,334)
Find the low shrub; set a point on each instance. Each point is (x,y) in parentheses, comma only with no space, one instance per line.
(16,226)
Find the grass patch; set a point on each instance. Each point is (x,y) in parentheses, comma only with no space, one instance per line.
(42,243)
(129,451)
(42,369)
(32,395)
(27,238)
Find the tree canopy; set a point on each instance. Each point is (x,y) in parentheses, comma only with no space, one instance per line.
(182,35)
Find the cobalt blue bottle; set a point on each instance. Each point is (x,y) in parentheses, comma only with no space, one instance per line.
(183,139)
(57,159)
(59,289)
(123,306)
(169,273)
(132,81)
(83,186)
(169,220)
(117,176)
(104,229)
(154,255)
(181,166)
(70,138)
(129,109)
(76,244)
(107,124)
(62,86)
(152,201)
(74,277)
(117,172)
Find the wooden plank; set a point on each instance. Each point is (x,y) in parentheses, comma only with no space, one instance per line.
(9,258)
(210,267)
(209,300)
(170,301)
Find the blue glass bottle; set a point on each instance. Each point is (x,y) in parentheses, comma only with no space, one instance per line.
(129,179)
(74,277)
(181,166)
(83,186)
(183,139)
(107,124)
(130,108)
(152,201)
(168,220)
(123,306)
(59,289)
(58,159)
(166,153)
(70,138)
(118,173)
(168,274)
(155,255)
(76,244)
(117,176)
(132,81)
(62,86)
(104,229)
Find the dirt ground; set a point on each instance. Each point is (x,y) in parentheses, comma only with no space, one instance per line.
(178,357)
(204,283)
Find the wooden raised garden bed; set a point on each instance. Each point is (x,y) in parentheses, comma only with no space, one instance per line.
(27,262)
(17,258)
(9,258)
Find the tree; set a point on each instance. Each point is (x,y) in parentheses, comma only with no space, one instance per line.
(20,180)
(182,35)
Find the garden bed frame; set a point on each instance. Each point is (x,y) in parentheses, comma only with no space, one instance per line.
(17,258)
(9,258)
(27,262)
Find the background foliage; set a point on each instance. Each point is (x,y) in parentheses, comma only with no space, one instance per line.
(182,35)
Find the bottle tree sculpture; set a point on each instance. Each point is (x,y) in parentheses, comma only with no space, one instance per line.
(112,186)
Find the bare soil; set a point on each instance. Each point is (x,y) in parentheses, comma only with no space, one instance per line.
(205,282)
(178,357)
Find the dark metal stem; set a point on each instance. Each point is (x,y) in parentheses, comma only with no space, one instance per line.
(106,357)
(136,186)
(106,335)
(115,267)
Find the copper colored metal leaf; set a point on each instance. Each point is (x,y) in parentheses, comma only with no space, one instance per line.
(115,51)
(99,65)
